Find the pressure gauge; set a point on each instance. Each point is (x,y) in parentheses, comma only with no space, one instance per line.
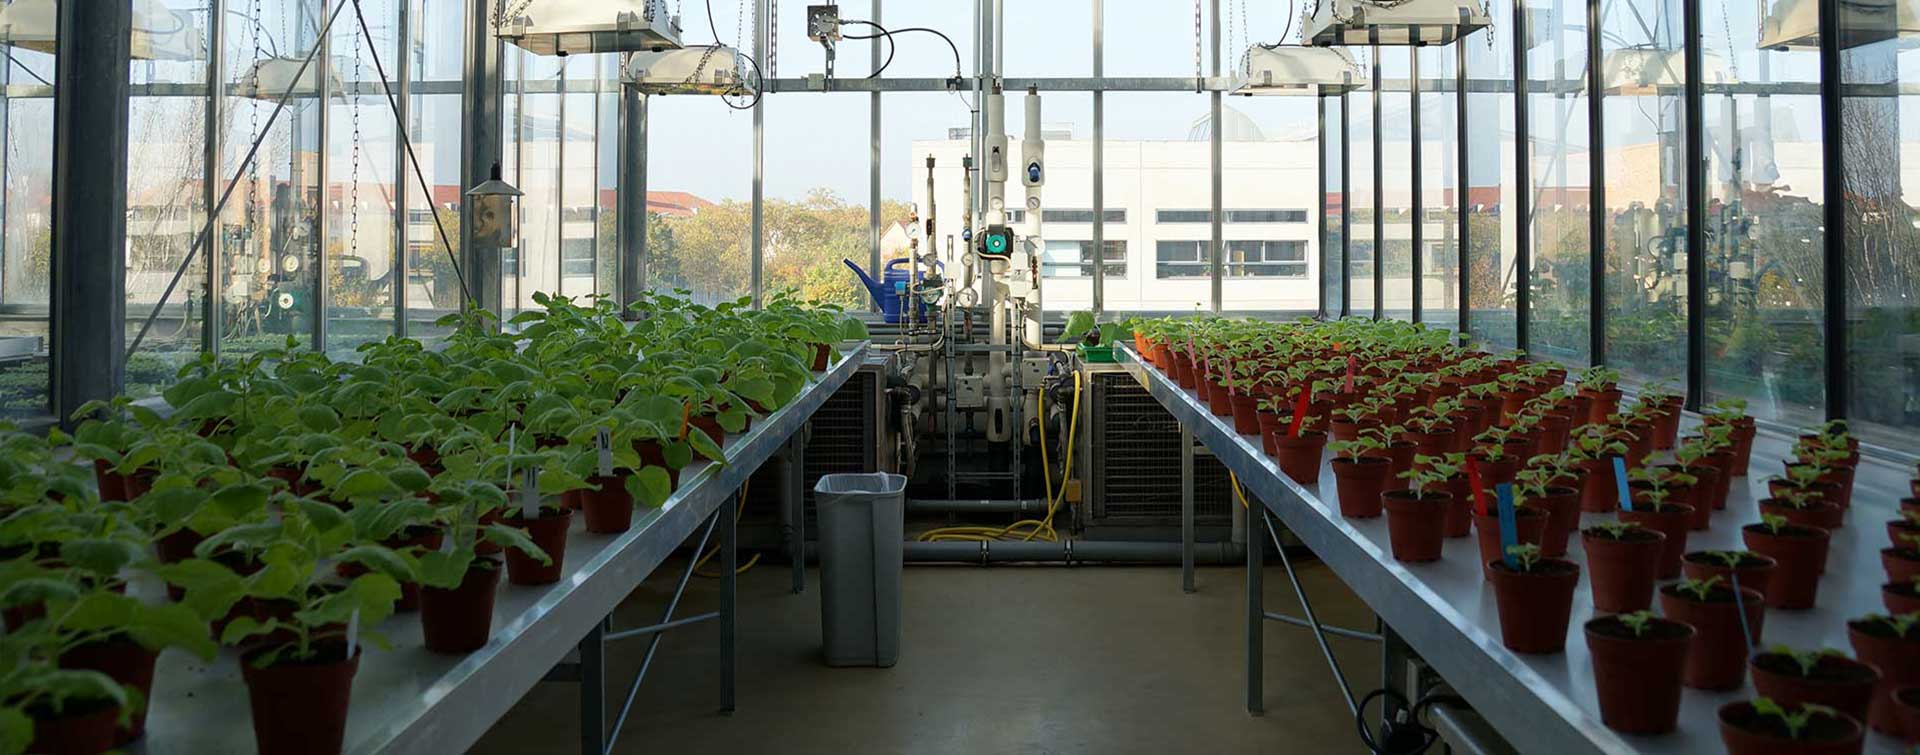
(289,264)
(284,300)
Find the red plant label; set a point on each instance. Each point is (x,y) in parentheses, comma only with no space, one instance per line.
(1299,413)
(1479,496)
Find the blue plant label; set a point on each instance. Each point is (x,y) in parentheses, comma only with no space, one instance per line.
(1620,483)
(1509,525)
(1740,607)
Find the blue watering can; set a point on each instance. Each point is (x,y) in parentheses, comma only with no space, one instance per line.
(893,288)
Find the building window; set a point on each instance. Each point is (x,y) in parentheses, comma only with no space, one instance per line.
(1180,259)
(1081,216)
(1266,259)
(1266,216)
(1074,259)
(1233,216)
(576,257)
(1016,215)
(579,214)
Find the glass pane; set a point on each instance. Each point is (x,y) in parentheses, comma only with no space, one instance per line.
(1360,192)
(700,193)
(1646,229)
(1765,221)
(1333,249)
(1491,250)
(362,166)
(433,288)
(1396,189)
(26,240)
(1439,187)
(166,173)
(1561,214)
(1883,230)
(1269,164)
(1159,157)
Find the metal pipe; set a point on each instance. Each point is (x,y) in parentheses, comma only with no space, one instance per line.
(1070,552)
(1018,506)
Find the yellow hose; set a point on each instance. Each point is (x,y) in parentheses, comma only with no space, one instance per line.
(1039,528)
(716,549)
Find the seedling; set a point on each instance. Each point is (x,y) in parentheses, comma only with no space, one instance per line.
(1354,449)
(1901,625)
(1807,660)
(1795,722)
(1774,523)
(1638,621)
(1660,482)
(1428,472)
(1526,555)
(1615,530)
(1730,559)
(1726,410)
(1599,379)
(1700,589)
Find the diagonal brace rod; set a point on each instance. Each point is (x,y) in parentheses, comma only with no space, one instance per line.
(1306,606)
(646,662)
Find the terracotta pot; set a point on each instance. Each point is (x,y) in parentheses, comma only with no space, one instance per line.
(1416,525)
(1827,492)
(710,426)
(1819,514)
(1400,454)
(1530,525)
(1534,606)
(609,510)
(460,620)
(1563,517)
(1493,473)
(1744,431)
(1638,675)
(1623,571)
(414,540)
(1359,483)
(1706,497)
(1746,732)
(1641,446)
(113,485)
(821,354)
(1299,456)
(1246,413)
(1755,570)
(1270,423)
(1907,710)
(1723,468)
(1553,433)
(1219,401)
(1902,564)
(1183,370)
(301,708)
(1718,658)
(1670,520)
(1836,681)
(80,729)
(1903,534)
(1802,556)
(1837,483)
(1900,597)
(1599,494)
(1344,430)
(1601,404)
(1898,660)
(484,547)
(125,662)
(1436,443)
(549,531)
(1459,521)
(1666,426)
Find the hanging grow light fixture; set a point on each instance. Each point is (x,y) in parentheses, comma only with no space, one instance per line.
(712,69)
(159,32)
(1795,24)
(1647,71)
(271,78)
(1393,22)
(573,27)
(1295,70)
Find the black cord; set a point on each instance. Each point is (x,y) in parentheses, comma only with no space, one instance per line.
(1401,730)
(891,47)
(957,66)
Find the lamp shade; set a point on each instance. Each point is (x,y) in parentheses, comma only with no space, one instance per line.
(159,32)
(269,79)
(1296,70)
(573,27)
(1409,22)
(689,70)
(1643,71)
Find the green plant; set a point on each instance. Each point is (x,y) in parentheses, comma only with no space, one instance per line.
(1638,621)
(1428,472)
(1615,530)
(1599,379)
(1660,482)
(1354,449)
(1526,555)
(1807,660)
(1730,559)
(1901,625)
(1795,723)
(1700,589)
(1774,524)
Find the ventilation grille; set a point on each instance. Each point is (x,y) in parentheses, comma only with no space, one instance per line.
(1136,460)
(840,436)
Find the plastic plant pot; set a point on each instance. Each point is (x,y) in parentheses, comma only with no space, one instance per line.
(300,708)
(1718,658)
(1746,732)
(1534,605)
(1622,570)
(1637,674)
(1835,681)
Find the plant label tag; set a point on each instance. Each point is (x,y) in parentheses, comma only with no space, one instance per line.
(1299,414)
(1352,364)
(1509,526)
(510,429)
(1740,608)
(604,442)
(1620,483)
(353,633)
(1479,493)
(530,495)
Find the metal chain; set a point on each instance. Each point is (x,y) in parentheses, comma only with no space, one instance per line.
(353,190)
(253,132)
(1198,72)
(773,39)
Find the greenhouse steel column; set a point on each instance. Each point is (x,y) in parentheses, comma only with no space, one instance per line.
(1216,143)
(1834,188)
(402,173)
(873,168)
(1522,187)
(1346,206)
(1099,158)
(1419,210)
(89,202)
(480,140)
(1696,175)
(210,170)
(632,198)
(1596,194)
(323,100)
(754,246)
(1320,235)
(1461,185)
(1379,193)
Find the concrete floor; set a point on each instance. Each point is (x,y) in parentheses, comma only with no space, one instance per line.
(1039,659)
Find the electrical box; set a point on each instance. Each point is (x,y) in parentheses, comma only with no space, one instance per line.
(823,23)
(1033,371)
(970,391)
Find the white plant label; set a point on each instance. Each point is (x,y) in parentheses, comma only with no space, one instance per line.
(530,495)
(353,633)
(510,429)
(605,443)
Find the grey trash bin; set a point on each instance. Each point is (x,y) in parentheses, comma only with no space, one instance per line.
(862,524)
